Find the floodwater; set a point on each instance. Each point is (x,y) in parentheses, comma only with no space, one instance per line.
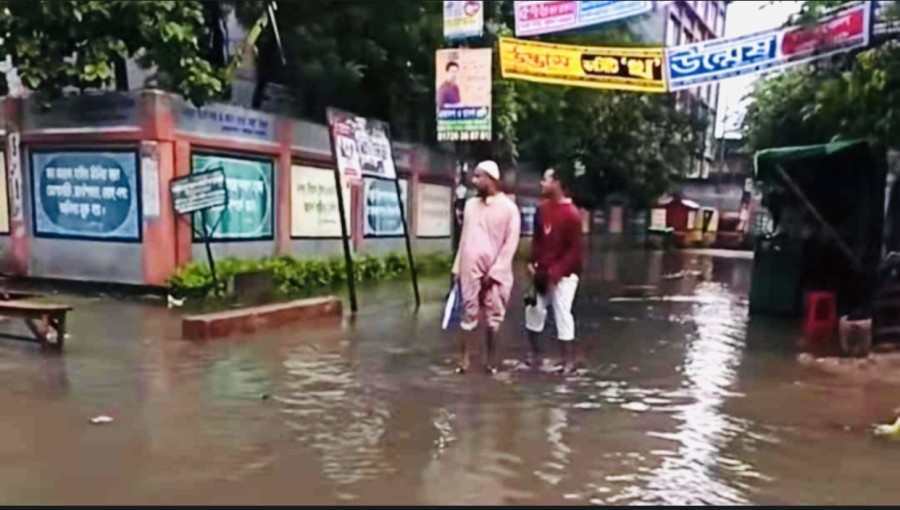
(681,400)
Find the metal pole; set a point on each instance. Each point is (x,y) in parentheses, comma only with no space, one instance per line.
(409,252)
(345,238)
(209,254)
(857,266)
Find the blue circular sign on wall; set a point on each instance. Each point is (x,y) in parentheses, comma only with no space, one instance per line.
(83,193)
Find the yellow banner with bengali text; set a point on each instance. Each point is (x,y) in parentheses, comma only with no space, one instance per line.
(632,69)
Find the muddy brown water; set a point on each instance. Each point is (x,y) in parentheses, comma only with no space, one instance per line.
(682,400)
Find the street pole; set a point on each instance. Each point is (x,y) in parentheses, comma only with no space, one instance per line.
(345,235)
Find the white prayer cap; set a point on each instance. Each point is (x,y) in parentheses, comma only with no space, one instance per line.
(490,168)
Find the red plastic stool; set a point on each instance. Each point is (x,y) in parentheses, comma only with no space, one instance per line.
(821,318)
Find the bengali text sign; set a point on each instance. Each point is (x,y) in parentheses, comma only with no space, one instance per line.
(633,69)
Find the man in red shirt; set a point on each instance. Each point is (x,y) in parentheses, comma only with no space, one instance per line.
(556,262)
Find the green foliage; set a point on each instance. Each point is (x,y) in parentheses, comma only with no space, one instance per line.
(296,277)
(76,43)
(373,58)
(854,95)
(632,143)
(377,59)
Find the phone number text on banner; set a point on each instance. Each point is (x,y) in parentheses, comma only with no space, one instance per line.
(706,62)
(534,18)
(634,69)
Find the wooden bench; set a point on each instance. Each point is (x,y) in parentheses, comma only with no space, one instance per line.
(46,321)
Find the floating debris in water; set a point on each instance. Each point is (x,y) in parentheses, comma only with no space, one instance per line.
(101,420)
(172,302)
(891,432)
(638,407)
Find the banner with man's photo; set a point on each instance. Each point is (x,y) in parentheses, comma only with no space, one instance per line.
(463,100)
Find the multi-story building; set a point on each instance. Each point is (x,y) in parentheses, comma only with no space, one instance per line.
(684,22)
(688,22)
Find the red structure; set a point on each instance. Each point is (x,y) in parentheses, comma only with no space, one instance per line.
(820,326)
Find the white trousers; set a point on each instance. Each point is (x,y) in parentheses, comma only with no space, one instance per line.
(560,298)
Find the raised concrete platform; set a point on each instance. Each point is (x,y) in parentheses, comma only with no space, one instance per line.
(256,318)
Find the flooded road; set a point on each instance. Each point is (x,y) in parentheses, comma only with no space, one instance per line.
(682,400)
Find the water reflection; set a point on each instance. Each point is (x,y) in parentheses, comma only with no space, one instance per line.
(671,407)
(330,412)
(714,353)
(554,470)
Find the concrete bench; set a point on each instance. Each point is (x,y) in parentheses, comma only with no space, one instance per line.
(46,321)
(250,319)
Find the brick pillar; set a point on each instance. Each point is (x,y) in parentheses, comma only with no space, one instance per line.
(282,206)
(160,238)
(17,259)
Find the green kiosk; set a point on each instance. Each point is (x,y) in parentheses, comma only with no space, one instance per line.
(827,206)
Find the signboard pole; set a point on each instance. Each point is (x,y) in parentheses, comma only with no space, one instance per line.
(209,254)
(409,253)
(345,238)
(200,193)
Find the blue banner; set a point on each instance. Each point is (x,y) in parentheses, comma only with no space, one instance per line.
(535,18)
(701,63)
(381,208)
(698,64)
(86,194)
(528,209)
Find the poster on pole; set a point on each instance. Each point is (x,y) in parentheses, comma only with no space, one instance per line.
(91,194)
(463,100)
(434,209)
(4,196)
(314,204)
(381,210)
(701,63)
(248,215)
(528,209)
(631,69)
(362,146)
(535,18)
(196,192)
(463,19)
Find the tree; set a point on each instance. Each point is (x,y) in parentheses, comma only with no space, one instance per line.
(374,58)
(377,59)
(632,143)
(854,95)
(59,44)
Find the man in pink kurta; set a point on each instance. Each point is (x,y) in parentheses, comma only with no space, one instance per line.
(489,241)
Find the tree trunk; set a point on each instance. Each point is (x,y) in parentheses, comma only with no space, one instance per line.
(121,70)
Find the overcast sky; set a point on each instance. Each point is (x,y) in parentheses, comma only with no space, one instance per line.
(746,18)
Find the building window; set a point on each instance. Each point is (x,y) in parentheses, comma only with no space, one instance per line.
(713,21)
(673,32)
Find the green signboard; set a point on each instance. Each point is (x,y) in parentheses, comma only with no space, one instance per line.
(248,215)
